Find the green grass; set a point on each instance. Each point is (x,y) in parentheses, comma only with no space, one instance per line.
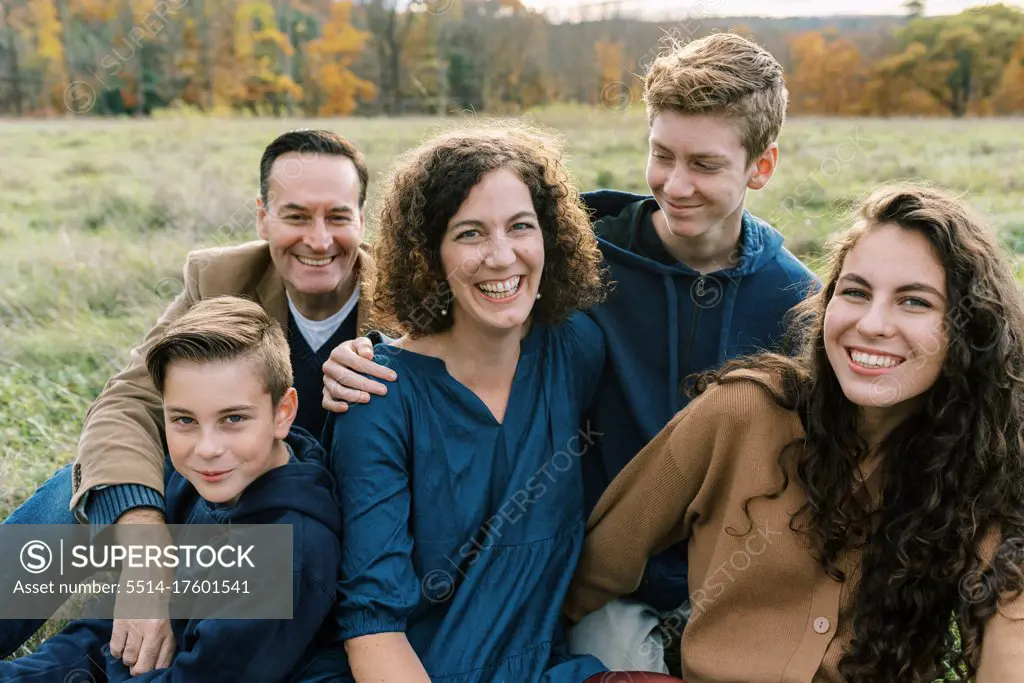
(96,217)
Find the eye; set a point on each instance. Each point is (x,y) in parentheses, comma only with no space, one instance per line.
(467,234)
(659,155)
(854,292)
(182,420)
(337,219)
(916,302)
(235,419)
(523,226)
(706,167)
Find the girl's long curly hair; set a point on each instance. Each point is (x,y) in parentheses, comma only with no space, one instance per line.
(427,187)
(952,472)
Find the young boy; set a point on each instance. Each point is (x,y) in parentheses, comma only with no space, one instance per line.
(225,378)
(699,281)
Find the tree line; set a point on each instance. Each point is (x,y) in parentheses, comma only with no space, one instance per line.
(330,57)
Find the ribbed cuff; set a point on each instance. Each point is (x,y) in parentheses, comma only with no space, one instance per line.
(105,505)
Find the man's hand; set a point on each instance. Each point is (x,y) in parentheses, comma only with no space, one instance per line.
(342,382)
(142,644)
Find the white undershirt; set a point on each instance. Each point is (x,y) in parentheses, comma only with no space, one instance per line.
(317,332)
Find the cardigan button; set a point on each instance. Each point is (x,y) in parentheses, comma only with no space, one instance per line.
(821,625)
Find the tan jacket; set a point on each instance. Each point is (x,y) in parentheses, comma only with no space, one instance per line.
(764,611)
(122,440)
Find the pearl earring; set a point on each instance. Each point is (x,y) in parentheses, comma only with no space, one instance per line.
(538,295)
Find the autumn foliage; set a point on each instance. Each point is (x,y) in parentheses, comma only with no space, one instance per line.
(340,57)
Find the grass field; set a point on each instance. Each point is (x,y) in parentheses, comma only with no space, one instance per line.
(96,218)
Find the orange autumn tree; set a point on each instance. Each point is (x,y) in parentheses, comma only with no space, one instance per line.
(1009,95)
(332,87)
(828,75)
(609,61)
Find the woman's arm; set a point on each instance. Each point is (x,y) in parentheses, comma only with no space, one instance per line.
(384,658)
(644,510)
(370,451)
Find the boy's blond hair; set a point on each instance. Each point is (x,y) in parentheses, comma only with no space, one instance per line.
(723,75)
(225,328)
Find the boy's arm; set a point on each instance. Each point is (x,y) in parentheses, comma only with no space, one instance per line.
(120,460)
(254,650)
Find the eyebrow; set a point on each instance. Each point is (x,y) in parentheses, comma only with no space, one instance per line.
(222,411)
(910,287)
(291,206)
(699,155)
(479,224)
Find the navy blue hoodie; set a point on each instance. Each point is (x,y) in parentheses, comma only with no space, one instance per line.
(664,323)
(300,493)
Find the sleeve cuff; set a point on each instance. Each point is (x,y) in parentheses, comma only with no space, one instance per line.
(378,337)
(368,626)
(105,505)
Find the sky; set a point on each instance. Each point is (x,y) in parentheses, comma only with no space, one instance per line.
(558,9)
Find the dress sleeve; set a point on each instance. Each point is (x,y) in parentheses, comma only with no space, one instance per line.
(370,446)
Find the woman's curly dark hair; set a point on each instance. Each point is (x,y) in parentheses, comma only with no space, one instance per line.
(425,191)
(953,471)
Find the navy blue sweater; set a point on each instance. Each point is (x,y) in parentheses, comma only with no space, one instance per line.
(664,323)
(301,494)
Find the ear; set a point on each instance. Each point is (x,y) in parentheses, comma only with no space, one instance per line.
(284,414)
(764,167)
(261,219)
(362,225)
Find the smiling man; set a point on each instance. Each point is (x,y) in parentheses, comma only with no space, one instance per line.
(308,270)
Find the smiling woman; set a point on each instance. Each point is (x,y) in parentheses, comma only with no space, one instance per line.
(859,496)
(458,548)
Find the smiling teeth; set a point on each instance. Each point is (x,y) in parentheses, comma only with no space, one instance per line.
(315,261)
(501,289)
(871,361)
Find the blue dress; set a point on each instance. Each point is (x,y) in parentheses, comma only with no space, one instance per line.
(463,532)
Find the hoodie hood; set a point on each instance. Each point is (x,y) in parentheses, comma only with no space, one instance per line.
(303,486)
(664,323)
(619,218)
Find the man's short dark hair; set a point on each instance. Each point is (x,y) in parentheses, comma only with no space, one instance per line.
(312,142)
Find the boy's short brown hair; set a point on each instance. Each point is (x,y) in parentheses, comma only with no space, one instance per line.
(225,328)
(723,75)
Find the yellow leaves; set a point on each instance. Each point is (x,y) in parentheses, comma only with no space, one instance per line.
(1009,95)
(336,88)
(94,11)
(341,90)
(609,61)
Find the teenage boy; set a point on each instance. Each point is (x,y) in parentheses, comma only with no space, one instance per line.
(225,377)
(699,280)
(309,270)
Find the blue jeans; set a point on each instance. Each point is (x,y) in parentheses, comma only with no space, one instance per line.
(50,504)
